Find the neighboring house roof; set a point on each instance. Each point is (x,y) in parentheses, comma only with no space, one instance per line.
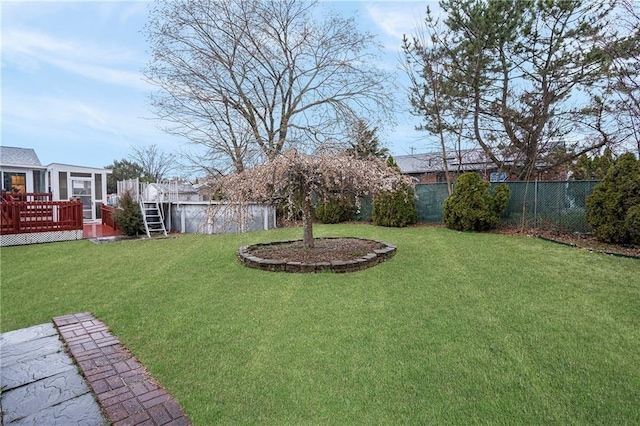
(19,157)
(419,163)
(466,159)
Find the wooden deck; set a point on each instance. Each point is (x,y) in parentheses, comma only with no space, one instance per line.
(98,230)
(35,213)
(24,216)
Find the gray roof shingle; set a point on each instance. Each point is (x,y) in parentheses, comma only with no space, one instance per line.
(466,159)
(13,156)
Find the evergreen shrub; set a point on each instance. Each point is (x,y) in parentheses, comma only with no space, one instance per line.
(472,206)
(612,201)
(397,209)
(335,210)
(128,216)
(632,222)
(501,195)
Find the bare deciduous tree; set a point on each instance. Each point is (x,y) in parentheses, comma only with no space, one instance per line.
(293,77)
(226,147)
(293,176)
(155,163)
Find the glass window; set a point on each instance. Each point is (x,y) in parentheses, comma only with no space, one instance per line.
(38,181)
(62,178)
(14,182)
(98,184)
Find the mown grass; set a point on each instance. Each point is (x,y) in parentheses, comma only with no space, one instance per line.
(456,328)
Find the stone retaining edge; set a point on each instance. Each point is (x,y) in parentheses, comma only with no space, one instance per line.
(338,266)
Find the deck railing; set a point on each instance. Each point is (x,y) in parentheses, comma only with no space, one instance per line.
(25,196)
(21,217)
(107,216)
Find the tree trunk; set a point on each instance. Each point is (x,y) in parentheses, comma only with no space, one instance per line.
(307,222)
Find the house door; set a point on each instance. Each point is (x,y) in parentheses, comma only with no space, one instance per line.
(81,188)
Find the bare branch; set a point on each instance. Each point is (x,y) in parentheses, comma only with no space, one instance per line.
(240,75)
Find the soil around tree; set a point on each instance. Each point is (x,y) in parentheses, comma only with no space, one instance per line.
(325,250)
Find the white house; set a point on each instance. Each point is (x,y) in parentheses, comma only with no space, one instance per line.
(89,184)
(22,172)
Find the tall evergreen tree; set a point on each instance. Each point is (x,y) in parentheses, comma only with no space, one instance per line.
(122,170)
(523,78)
(365,143)
(593,167)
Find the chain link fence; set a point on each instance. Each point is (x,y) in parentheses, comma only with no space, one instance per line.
(552,205)
(558,206)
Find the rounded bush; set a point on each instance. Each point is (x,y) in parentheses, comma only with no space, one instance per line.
(397,209)
(611,200)
(501,195)
(128,216)
(472,207)
(335,211)
(632,222)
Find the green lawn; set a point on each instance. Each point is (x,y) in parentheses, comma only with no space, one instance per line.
(456,328)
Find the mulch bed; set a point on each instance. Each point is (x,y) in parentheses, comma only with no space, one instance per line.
(325,250)
(580,241)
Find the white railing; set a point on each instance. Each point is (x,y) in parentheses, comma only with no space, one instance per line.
(164,191)
(132,186)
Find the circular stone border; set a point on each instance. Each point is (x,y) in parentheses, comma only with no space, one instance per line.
(339,266)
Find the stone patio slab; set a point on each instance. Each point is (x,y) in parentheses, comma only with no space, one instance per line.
(31,349)
(31,370)
(42,394)
(81,410)
(26,334)
(42,385)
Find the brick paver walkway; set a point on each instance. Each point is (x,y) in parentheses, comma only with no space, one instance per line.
(125,390)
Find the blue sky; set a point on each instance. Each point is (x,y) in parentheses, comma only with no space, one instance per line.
(72,86)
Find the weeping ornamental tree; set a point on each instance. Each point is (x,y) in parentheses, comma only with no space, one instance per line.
(293,176)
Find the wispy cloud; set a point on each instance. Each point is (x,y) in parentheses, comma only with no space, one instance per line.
(122,12)
(71,82)
(69,129)
(27,49)
(48,112)
(82,119)
(396,19)
(393,20)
